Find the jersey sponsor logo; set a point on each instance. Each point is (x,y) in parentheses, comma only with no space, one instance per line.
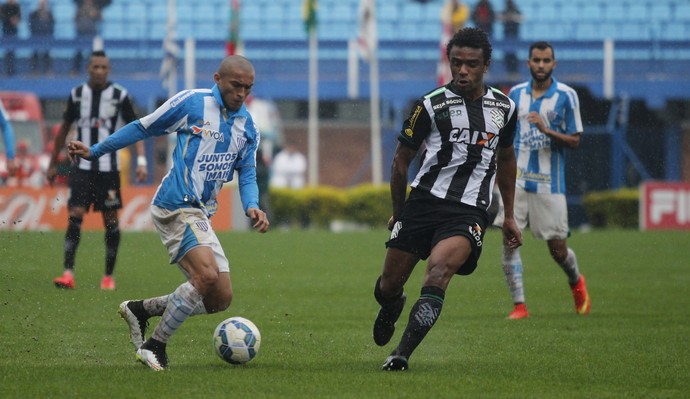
(112,199)
(476,233)
(208,133)
(448,113)
(496,104)
(217,166)
(181,97)
(448,102)
(474,137)
(524,174)
(533,139)
(94,123)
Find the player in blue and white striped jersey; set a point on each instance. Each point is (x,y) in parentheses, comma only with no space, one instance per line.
(216,136)
(548,122)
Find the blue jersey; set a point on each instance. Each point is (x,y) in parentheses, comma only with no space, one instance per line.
(540,161)
(212,143)
(7,133)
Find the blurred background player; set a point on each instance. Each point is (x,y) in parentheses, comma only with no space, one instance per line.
(445,216)
(8,140)
(548,122)
(99,107)
(216,136)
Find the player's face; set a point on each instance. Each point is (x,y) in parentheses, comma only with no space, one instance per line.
(541,64)
(234,86)
(468,68)
(98,69)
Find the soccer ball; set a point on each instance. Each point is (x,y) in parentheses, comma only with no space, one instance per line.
(236,340)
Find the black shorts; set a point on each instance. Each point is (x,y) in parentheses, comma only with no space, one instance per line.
(102,189)
(426,220)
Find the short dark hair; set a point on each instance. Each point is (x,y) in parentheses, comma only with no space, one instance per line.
(471,37)
(541,45)
(98,53)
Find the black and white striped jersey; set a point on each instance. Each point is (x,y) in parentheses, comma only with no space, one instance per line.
(461,138)
(98,114)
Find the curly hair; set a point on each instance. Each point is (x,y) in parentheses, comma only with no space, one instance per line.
(471,37)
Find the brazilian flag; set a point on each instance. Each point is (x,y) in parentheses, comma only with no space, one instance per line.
(309,15)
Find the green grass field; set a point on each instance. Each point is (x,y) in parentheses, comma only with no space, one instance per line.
(310,294)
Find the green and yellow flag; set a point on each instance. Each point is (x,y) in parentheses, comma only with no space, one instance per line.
(309,15)
(233,41)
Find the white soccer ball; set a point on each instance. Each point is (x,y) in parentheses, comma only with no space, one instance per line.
(236,340)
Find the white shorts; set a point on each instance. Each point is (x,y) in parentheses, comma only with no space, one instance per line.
(184,229)
(545,214)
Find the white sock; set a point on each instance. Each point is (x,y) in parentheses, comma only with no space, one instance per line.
(570,267)
(156,306)
(181,304)
(512,268)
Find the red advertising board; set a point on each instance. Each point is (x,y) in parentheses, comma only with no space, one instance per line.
(24,209)
(665,206)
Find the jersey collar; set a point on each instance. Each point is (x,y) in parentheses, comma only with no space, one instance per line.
(551,90)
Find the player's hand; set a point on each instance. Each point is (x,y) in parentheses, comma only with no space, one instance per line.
(78,149)
(259,219)
(51,173)
(535,119)
(11,167)
(391,223)
(512,236)
(142,173)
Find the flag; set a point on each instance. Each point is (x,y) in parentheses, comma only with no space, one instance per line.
(232,45)
(309,15)
(443,74)
(368,36)
(171,51)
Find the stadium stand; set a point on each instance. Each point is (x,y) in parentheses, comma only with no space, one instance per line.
(650,36)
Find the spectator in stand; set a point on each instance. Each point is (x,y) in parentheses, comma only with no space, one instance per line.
(289,167)
(42,26)
(455,13)
(88,22)
(511,18)
(10,13)
(483,17)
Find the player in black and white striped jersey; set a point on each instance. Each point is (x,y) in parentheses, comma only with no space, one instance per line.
(98,107)
(466,130)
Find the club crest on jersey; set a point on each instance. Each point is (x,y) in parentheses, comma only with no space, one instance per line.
(497,117)
(208,133)
(241,141)
(475,137)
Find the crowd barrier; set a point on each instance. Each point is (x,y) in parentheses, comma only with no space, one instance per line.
(45,209)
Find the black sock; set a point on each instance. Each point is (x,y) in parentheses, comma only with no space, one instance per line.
(112,242)
(384,302)
(423,315)
(72,238)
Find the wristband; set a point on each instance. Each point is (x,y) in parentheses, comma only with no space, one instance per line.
(141,161)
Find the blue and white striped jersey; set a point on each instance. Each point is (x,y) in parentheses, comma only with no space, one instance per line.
(212,143)
(540,162)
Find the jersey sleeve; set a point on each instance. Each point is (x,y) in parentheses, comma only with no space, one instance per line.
(508,133)
(416,127)
(128,114)
(71,113)
(573,120)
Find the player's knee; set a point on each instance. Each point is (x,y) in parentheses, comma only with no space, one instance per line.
(219,302)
